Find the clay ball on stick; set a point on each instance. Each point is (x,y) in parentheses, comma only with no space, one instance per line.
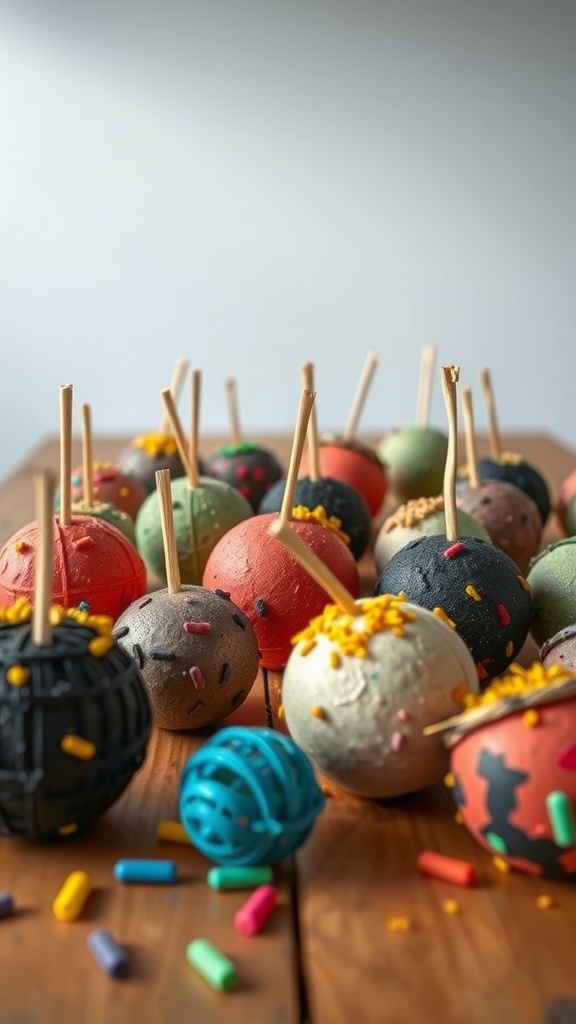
(421,517)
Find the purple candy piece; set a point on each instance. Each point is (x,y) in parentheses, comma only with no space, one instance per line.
(110,956)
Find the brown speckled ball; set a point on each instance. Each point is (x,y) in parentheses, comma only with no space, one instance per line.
(510,517)
(197,653)
(560,649)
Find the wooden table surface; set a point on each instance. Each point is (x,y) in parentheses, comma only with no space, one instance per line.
(326,956)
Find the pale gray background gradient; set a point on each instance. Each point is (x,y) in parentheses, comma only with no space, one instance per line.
(253,184)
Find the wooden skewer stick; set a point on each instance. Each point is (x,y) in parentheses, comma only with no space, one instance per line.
(312,436)
(168,536)
(176,384)
(44,502)
(304,410)
(427,362)
(448,723)
(450,376)
(493,431)
(233,410)
(87,462)
(196,381)
(191,471)
(361,394)
(66,454)
(314,566)
(470,438)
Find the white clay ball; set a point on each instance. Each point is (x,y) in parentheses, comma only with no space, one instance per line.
(421,517)
(361,719)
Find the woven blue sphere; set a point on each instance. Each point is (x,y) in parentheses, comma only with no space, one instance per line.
(249,796)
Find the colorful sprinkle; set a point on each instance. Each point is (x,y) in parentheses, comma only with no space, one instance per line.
(351,633)
(519,681)
(544,901)
(238,699)
(68,830)
(21,546)
(473,593)
(318,712)
(307,648)
(197,677)
(530,718)
(444,617)
(281,714)
(398,923)
(224,594)
(225,672)
(449,780)
(496,842)
(156,445)
(124,492)
(138,655)
(567,759)
(450,907)
(143,604)
(524,583)
(509,649)
(121,632)
(335,659)
(100,646)
(504,617)
(197,627)
(157,655)
(402,715)
(17,675)
(397,742)
(260,607)
(78,747)
(459,818)
(501,865)
(319,515)
(561,817)
(238,620)
(454,550)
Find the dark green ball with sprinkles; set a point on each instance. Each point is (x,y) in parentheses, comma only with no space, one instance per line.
(474,586)
(196,651)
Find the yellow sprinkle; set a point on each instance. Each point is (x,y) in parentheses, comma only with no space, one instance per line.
(449,780)
(510,458)
(307,648)
(501,865)
(450,907)
(459,818)
(530,718)
(100,645)
(78,747)
(67,830)
(172,832)
(414,512)
(519,681)
(17,675)
(524,583)
(398,923)
(124,492)
(318,712)
(544,901)
(156,445)
(509,649)
(20,546)
(444,617)
(281,712)
(335,659)
(351,633)
(473,593)
(318,515)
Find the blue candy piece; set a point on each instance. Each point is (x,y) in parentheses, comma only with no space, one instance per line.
(109,955)
(156,872)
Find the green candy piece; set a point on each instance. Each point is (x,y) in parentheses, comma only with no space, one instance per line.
(216,969)
(496,842)
(239,877)
(561,818)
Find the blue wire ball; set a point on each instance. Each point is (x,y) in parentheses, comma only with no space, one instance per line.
(249,796)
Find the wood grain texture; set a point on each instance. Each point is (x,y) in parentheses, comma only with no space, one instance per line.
(501,960)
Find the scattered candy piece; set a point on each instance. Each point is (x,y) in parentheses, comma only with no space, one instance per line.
(253,914)
(398,923)
(501,865)
(108,954)
(561,818)
(157,872)
(70,899)
(216,969)
(172,832)
(450,907)
(545,901)
(6,904)
(220,878)
(449,869)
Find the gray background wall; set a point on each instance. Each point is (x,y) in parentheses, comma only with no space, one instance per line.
(252,184)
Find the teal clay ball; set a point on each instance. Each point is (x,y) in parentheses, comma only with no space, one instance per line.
(552,579)
(202,515)
(415,458)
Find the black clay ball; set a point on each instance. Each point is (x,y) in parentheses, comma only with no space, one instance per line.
(337,498)
(473,586)
(248,468)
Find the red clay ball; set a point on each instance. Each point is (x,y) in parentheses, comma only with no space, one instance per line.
(269,585)
(93,563)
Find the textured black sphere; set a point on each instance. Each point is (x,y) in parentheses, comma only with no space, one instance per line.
(248,468)
(474,585)
(523,475)
(74,727)
(337,499)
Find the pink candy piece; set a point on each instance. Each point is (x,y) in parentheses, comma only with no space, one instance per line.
(253,914)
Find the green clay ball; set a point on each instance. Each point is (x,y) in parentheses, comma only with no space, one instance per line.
(415,458)
(202,515)
(110,514)
(552,579)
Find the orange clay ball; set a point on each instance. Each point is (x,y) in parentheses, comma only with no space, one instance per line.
(356,465)
(93,563)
